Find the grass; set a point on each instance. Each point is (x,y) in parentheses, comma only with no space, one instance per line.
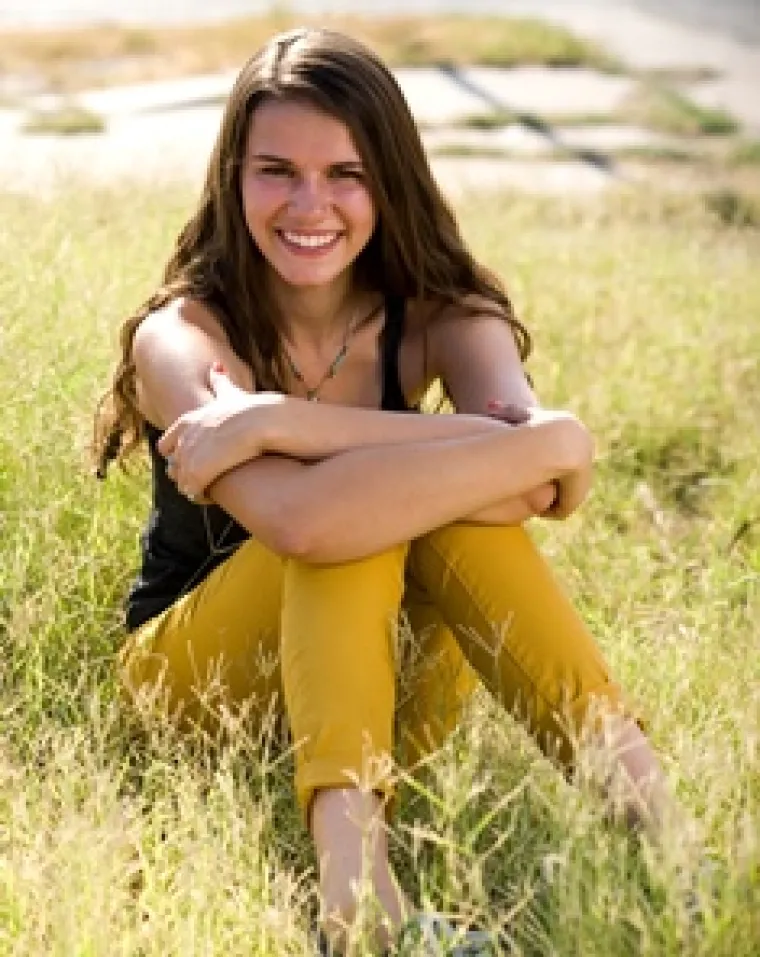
(116,842)
(104,55)
(664,109)
(466,150)
(493,120)
(652,104)
(733,207)
(67,120)
(746,153)
(644,153)
(658,154)
(679,74)
(648,154)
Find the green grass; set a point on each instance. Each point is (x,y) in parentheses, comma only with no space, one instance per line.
(645,154)
(680,74)
(67,120)
(733,207)
(73,59)
(467,150)
(652,104)
(745,153)
(114,842)
(650,153)
(664,109)
(493,120)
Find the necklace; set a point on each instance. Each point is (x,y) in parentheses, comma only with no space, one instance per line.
(312,393)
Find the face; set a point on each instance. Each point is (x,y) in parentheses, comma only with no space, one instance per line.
(305,195)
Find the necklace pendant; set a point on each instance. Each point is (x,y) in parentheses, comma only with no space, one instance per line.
(311,395)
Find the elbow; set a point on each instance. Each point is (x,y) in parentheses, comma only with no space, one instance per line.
(575,446)
(294,524)
(290,539)
(294,534)
(310,536)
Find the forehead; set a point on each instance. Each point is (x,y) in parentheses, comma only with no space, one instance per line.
(301,133)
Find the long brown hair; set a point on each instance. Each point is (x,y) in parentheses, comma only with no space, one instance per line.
(416,250)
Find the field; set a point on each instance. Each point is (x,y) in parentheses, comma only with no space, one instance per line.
(644,312)
(71,59)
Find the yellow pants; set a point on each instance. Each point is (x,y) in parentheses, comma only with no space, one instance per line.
(324,639)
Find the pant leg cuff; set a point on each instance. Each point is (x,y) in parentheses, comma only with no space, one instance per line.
(335,772)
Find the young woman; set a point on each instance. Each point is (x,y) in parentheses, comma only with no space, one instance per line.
(315,295)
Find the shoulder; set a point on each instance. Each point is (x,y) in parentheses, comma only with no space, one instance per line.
(436,316)
(186,331)
(174,324)
(173,350)
(470,327)
(472,350)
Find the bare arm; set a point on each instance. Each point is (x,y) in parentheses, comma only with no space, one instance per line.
(365,500)
(237,426)
(211,428)
(477,359)
(328,511)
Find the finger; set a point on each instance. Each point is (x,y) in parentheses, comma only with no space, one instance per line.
(187,492)
(510,408)
(219,381)
(172,469)
(513,414)
(168,441)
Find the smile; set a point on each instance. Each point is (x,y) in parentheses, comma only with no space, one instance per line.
(310,242)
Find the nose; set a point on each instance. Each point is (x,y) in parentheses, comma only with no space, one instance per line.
(309,195)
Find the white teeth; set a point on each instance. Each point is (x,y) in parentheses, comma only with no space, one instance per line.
(310,242)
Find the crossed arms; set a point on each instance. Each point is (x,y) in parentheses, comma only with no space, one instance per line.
(330,483)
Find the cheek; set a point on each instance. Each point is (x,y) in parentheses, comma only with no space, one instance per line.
(359,208)
(260,201)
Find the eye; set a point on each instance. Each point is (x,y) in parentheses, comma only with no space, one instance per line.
(283,171)
(347,172)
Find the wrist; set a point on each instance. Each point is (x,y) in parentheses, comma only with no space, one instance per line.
(268,423)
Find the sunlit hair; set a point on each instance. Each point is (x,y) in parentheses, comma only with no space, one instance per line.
(416,250)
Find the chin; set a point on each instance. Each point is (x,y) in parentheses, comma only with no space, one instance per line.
(305,278)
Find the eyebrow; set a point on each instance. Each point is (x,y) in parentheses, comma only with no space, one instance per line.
(271,158)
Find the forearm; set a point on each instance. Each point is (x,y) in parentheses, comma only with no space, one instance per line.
(366,500)
(315,430)
(312,431)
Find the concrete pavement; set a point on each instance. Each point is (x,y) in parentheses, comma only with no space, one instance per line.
(166,129)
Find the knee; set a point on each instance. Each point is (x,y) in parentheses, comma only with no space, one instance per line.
(344,585)
(300,553)
(486,545)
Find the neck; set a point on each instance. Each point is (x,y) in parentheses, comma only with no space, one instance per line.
(316,313)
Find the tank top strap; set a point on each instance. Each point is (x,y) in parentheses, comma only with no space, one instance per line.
(393,399)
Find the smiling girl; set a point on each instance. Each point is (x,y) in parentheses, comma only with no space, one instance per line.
(300,504)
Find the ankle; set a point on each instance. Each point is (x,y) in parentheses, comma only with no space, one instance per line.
(361,900)
(364,910)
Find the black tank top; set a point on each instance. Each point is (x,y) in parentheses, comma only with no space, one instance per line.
(183,542)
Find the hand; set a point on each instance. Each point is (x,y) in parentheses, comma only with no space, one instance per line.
(508,412)
(561,497)
(203,444)
(573,482)
(533,503)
